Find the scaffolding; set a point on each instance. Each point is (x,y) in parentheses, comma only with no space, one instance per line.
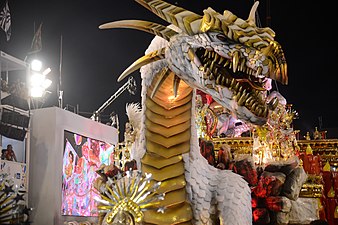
(130,85)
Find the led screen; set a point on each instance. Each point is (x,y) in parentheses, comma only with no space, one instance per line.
(82,156)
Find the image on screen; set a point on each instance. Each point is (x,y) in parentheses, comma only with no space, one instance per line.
(82,156)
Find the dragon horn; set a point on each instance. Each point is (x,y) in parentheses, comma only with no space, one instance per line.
(176,84)
(144,60)
(187,21)
(150,27)
(252,16)
(163,75)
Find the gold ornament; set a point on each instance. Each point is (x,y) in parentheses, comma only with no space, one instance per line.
(309,150)
(125,198)
(327,167)
(331,193)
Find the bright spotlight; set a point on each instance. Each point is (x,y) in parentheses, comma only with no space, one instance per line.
(36,65)
(37,92)
(38,84)
(37,79)
(46,83)
(46,71)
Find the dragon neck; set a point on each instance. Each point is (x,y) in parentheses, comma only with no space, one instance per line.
(167,128)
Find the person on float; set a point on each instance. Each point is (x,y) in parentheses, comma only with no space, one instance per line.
(9,154)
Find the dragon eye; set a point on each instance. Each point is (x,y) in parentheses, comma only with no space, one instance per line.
(221,37)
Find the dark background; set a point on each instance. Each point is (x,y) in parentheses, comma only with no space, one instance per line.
(92,59)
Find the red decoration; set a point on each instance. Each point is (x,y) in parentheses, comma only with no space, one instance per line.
(247,170)
(268,185)
(331,205)
(207,151)
(209,99)
(274,203)
(254,201)
(261,216)
(311,163)
(335,182)
(327,181)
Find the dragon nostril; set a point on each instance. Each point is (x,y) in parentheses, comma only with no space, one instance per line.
(222,37)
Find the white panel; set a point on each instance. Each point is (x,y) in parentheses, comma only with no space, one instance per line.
(46,147)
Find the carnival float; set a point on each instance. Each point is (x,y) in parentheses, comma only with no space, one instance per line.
(206,91)
(210,142)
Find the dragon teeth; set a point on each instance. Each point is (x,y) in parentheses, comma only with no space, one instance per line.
(265,112)
(251,103)
(259,71)
(206,53)
(242,65)
(273,103)
(211,77)
(216,57)
(247,101)
(227,81)
(238,95)
(243,97)
(232,82)
(226,63)
(191,54)
(241,100)
(258,111)
(253,107)
(218,80)
(236,86)
(206,73)
(223,80)
(235,60)
(221,60)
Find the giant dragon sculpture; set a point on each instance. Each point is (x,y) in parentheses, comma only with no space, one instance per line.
(226,57)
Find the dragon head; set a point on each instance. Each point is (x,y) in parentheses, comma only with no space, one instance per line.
(229,58)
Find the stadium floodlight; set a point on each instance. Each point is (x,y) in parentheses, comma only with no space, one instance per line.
(36,65)
(38,81)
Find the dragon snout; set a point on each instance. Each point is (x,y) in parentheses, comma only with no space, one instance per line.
(232,73)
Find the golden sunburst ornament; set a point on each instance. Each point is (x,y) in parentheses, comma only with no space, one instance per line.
(124,198)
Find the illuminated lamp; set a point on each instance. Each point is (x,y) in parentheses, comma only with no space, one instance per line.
(36,65)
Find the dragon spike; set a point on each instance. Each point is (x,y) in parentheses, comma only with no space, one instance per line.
(275,52)
(282,64)
(163,75)
(176,85)
(187,21)
(210,21)
(144,60)
(280,73)
(267,50)
(150,27)
(252,16)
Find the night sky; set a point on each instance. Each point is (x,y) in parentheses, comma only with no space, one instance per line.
(92,59)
